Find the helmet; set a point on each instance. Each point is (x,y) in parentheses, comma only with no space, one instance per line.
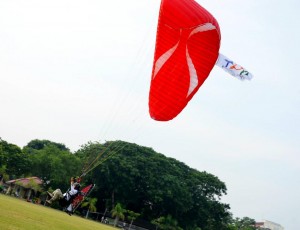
(76,179)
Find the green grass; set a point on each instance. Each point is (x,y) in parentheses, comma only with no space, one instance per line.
(19,214)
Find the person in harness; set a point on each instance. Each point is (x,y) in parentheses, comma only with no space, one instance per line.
(65,200)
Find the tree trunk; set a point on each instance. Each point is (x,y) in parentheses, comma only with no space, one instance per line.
(28,194)
(113,199)
(130,224)
(87,214)
(116,221)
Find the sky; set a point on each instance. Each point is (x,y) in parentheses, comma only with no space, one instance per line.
(79,71)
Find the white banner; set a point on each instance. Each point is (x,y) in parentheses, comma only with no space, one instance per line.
(232,68)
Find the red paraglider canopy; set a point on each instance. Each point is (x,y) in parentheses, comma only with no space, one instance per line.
(187,47)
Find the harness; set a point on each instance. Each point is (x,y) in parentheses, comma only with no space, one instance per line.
(68,198)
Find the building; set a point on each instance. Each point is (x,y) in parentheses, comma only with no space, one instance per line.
(25,188)
(268,225)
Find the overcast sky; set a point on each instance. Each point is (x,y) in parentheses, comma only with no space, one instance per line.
(79,71)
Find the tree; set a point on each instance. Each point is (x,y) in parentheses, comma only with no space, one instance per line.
(52,163)
(245,223)
(13,160)
(132,216)
(166,223)
(3,175)
(155,186)
(41,144)
(90,203)
(118,212)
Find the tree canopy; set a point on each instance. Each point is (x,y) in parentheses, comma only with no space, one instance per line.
(52,162)
(154,185)
(13,160)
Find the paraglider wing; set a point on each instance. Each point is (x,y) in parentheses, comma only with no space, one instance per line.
(187,46)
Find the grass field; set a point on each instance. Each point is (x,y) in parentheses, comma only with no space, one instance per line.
(19,214)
